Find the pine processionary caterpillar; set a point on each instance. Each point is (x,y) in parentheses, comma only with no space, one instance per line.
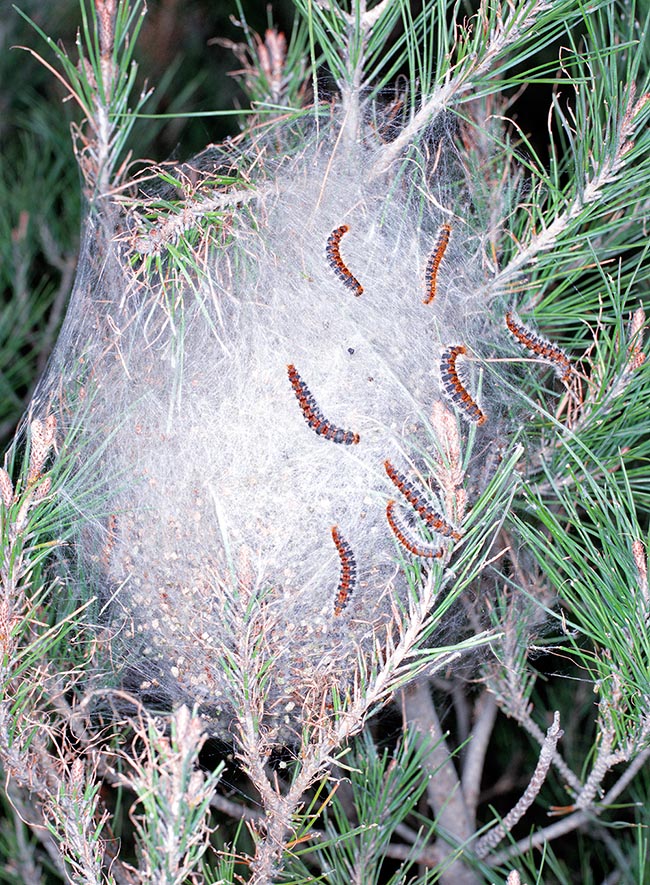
(400,529)
(455,389)
(540,346)
(333,255)
(313,415)
(432,519)
(431,273)
(348,577)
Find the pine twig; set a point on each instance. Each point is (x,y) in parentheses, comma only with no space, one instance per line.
(589,194)
(486,843)
(506,32)
(523,716)
(474,761)
(444,790)
(575,820)
(171,815)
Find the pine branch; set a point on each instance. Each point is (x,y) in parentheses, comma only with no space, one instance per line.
(505,26)
(588,194)
(573,821)
(444,790)
(194,281)
(486,843)
(485,714)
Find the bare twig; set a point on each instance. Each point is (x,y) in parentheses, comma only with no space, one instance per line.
(486,843)
(235,809)
(474,761)
(444,789)
(524,718)
(575,820)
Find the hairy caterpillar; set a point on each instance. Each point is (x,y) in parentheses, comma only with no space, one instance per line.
(333,254)
(454,388)
(540,346)
(400,530)
(432,519)
(313,415)
(431,273)
(348,571)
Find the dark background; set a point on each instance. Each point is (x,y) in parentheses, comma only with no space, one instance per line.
(40,186)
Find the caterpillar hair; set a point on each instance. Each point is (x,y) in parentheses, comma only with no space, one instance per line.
(401,531)
(431,273)
(333,255)
(541,348)
(432,519)
(348,576)
(313,415)
(454,388)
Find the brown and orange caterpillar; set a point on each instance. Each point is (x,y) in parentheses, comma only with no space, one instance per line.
(454,387)
(431,273)
(348,576)
(541,347)
(313,415)
(432,519)
(333,255)
(400,530)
